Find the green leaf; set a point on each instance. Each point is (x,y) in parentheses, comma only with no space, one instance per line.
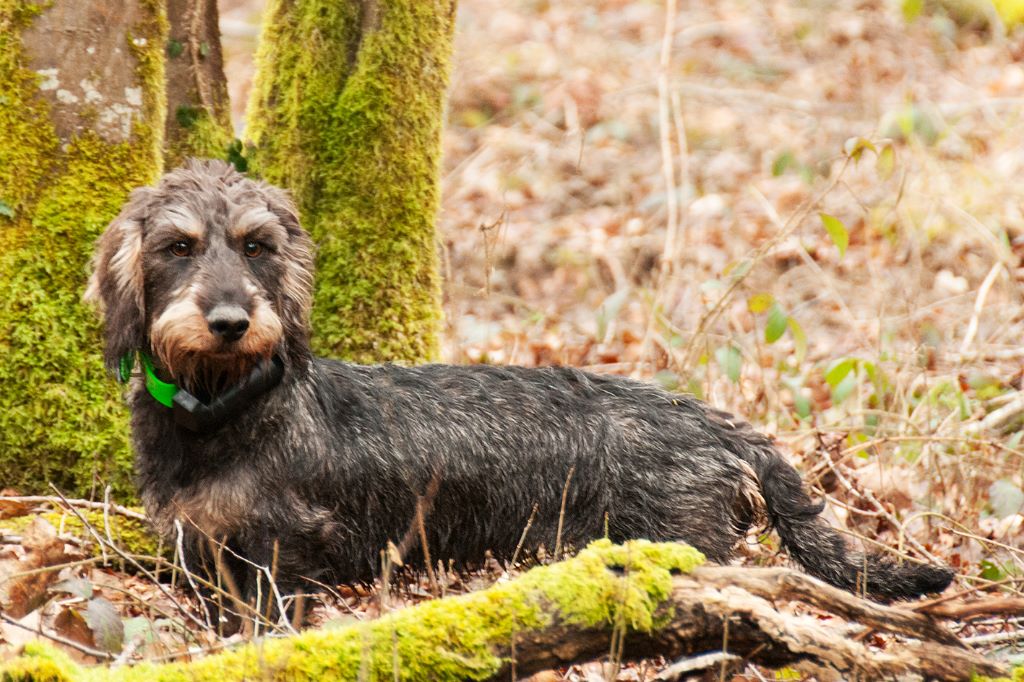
(174,48)
(609,310)
(783,162)
(838,370)
(6,210)
(801,404)
(799,339)
(730,360)
(187,116)
(777,322)
(837,231)
(80,587)
(758,303)
(855,146)
(668,380)
(204,49)
(990,571)
(911,9)
(738,269)
(139,626)
(106,625)
(844,388)
(886,163)
(236,156)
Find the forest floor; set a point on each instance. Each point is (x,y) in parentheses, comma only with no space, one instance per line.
(808,215)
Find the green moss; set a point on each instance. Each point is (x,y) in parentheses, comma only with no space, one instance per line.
(1011,12)
(40,663)
(459,638)
(132,535)
(201,135)
(350,121)
(61,418)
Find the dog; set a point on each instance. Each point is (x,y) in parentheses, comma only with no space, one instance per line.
(313,466)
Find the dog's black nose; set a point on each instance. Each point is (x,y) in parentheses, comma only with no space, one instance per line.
(228,322)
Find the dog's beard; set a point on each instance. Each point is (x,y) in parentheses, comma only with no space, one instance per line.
(202,364)
(209,375)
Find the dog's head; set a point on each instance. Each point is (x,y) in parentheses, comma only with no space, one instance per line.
(209,271)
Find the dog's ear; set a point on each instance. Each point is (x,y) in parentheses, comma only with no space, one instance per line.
(116,283)
(299,253)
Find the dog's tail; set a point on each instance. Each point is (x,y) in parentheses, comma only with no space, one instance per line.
(815,545)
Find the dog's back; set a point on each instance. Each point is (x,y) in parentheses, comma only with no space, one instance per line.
(631,459)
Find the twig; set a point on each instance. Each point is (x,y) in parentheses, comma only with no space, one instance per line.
(88,526)
(561,513)
(793,222)
(928,605)
(127,557)
(88,504)
(265,570)
(188,575)
(435,590)
(988,354)
(997,638)
(1000,419)
(129,650)
(57,638)
(1001,606)
(522,538)
(668,172)
(869,497)
(966,440)
(695,663)
(979,305)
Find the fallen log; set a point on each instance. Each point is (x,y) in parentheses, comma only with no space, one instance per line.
(629,601)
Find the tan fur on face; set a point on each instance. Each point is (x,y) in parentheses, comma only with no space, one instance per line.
(184,345)
(264,333)
(180,332)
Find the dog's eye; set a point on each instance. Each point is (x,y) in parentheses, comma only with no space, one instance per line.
(252,248)
(181,249)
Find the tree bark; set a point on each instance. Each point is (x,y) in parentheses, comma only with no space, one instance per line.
(347,111)
(81,124)
(198,109)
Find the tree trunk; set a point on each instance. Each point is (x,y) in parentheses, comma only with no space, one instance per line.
(198,110)
(81,124)
(635,600)
(347,112)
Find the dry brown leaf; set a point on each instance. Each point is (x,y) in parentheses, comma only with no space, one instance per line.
(24,590)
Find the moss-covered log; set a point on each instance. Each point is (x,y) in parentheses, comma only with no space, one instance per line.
(198,109)
(347,112)
(639,599)
(81,124)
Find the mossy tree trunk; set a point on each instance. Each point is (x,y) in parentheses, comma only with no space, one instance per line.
(81,123)
(198,109)
(347,112)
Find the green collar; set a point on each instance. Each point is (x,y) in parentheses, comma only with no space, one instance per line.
(194,414)
(162,391)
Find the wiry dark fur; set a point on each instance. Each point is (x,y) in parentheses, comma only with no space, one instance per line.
(330,463)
